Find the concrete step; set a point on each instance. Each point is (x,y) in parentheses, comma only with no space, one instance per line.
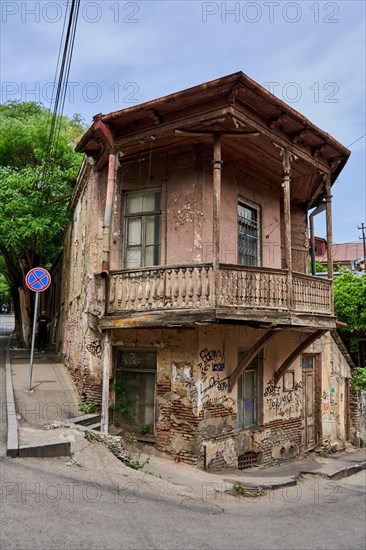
(95,426)
(86,419)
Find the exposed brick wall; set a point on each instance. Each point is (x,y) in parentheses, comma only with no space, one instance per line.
(177,422)
(88,390)
(281,432)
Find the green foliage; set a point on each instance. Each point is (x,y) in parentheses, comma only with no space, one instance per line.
(320,268)
(4,289)
(34,208)
(359,380)
(350,308)
(242,491)
(350,301)
(134,462)
(125,396)
(89,437)
(144,429)
(86,409)
(323,454)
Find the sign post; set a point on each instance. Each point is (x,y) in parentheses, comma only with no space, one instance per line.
(38,280)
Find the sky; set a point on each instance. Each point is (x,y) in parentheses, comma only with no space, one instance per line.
(309,54)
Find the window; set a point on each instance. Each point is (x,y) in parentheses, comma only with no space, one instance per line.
(307,362)
(248,234)
(143,229)
(248,396)
(134,388)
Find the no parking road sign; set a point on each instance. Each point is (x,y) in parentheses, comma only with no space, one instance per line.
(38,279)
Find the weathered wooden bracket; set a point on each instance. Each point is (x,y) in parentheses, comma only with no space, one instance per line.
(275,122)
(298,138)
(295,354)
(249,356)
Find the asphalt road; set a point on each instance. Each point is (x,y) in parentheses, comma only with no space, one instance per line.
(47,505)
(94,502)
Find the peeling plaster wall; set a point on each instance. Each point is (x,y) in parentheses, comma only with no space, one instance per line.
(335,372)
(280,422)
(237,185)
(81,295)
(194,406)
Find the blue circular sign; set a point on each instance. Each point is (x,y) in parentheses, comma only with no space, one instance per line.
(38,279)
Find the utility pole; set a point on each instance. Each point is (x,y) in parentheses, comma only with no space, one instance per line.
(362,228)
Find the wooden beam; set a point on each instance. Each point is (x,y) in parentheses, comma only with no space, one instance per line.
(249,118)
(328,210)
(249,356)
(295,354)
(172,126)
(231,133)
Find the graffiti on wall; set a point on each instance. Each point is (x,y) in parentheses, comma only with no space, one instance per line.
(94,347)
(329,406)
(285,404)
(209,358)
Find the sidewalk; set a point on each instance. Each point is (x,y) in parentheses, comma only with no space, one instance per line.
(53,398)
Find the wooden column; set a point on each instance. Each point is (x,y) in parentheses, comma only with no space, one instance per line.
(328,210)
(107,359)
(287,157)
(287,207)
(217,163)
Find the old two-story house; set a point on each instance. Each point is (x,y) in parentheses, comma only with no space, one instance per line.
(187,310)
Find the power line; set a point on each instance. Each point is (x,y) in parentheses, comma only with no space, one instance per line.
(358,139)
(63,70)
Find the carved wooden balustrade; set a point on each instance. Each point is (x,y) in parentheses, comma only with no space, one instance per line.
(254,287)
(312,294)
(163,287)
(192,287)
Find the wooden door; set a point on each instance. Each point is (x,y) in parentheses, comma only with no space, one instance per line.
(309,402)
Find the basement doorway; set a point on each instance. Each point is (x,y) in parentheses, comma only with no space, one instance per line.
(135,392)
(309,366)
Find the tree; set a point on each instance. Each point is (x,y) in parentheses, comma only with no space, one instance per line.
(350,307)
(33,196)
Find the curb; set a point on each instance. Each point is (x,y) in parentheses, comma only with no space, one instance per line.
(338,474)
(271,486)
(12,446)
(266,486)
(13,449)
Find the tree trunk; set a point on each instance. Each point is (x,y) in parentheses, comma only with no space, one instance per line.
(25,316)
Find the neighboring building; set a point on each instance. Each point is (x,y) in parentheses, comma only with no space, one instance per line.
(349,255)
(186,304)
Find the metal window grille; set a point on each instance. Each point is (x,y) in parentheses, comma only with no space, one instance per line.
(248,460)
(248,235)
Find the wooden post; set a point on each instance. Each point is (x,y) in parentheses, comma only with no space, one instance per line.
(217,163)
(287,157)
(107,357)
(328,201)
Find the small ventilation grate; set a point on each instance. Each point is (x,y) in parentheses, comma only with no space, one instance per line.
(248,460)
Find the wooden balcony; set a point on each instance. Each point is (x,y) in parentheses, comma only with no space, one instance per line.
(169,295)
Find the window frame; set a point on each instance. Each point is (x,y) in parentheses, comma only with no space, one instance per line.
(257,207)
(255,366)
(143,217)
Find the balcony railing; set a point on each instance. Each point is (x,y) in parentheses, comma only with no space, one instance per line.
(192,287)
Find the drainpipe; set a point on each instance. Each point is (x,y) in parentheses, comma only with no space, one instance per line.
(107,348)
(112,170)
(318,209)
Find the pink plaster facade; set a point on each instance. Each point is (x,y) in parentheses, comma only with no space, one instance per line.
(178,331)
